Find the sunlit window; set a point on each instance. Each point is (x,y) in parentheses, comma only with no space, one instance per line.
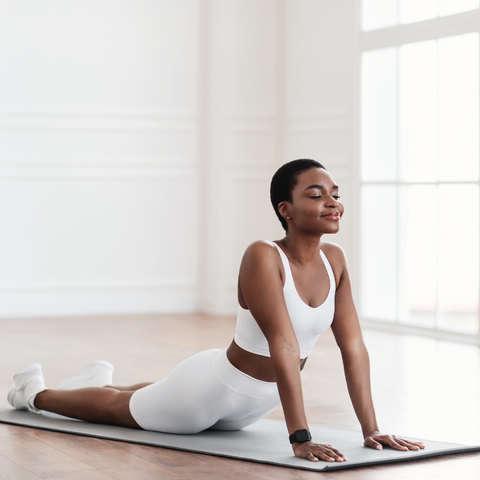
(378,14)
(419,179)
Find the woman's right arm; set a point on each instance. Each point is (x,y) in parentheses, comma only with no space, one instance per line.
(262,288)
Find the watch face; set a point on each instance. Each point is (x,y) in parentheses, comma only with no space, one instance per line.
(300,436)
(303,436)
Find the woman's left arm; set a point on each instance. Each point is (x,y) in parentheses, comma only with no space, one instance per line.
(348,335)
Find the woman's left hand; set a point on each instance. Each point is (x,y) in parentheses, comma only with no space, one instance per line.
(377,439)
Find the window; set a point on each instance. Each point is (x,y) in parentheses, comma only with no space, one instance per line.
(387,13)
(419,166)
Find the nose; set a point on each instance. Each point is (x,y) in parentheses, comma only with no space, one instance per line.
(331,201)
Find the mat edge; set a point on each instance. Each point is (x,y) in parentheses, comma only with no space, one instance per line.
(327,468)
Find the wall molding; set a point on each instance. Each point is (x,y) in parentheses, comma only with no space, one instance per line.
(99,113)
(94,173)
(316,125)
(246,174)
(166,125)
(104,285)
(320,116)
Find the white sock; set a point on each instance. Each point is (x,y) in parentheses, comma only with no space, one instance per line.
(31,402)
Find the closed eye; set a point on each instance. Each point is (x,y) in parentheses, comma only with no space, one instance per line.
(336,197)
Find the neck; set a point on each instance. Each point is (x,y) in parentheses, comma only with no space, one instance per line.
(303,249)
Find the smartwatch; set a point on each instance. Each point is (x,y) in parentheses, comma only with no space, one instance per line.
(300,436)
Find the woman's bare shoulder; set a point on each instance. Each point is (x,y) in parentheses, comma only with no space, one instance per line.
(333,249)
(261,254)
(261,248)
(336,257)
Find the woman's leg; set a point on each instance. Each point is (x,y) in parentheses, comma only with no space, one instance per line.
(97,405)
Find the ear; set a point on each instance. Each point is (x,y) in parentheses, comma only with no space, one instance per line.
(284,209)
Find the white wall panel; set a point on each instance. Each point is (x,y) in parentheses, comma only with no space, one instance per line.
(98,156)
(243,124)
(253,59)
(92,145)
(253,147)
(100,235)
(319,37)
(99,231)
(329,146)
(253,216)
(80,54)
(91,300)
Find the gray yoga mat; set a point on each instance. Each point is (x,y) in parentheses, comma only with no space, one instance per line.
(265,441)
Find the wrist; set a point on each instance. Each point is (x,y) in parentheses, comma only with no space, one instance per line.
(370,433)
(300,436)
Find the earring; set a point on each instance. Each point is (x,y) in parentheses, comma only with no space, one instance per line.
(288,218)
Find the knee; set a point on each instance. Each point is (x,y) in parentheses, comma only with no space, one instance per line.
(120,410)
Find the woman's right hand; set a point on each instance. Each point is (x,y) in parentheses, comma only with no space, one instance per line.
(318,451)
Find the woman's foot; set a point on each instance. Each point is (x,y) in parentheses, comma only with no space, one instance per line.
(27,382)
(97,374)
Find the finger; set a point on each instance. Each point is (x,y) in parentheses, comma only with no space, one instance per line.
(324,453)
(312,457)
(409,445)
(418,444)
(322,450)
(325,457)
(391,442)
(334,453)
(337,453)
(412,445)
(371,443)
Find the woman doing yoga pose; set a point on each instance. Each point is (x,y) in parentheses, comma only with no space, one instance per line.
(289,292)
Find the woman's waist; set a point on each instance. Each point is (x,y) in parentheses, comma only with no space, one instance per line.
(257,366)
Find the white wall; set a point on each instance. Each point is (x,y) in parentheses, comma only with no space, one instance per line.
(320,54)
(138,138)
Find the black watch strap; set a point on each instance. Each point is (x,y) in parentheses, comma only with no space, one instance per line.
(300,436)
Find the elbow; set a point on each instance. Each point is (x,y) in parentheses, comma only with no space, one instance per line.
(285,348)
(354,350)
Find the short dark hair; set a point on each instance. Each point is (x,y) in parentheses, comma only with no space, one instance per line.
(284,181)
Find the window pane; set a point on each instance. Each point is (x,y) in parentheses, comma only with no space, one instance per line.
(416,10)
(458,257)
(378,261)
(447,7)
(378,14)
(379,114)
(418,255)
(458,107)
(418,111)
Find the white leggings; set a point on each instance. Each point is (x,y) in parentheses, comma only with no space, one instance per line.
(204,391)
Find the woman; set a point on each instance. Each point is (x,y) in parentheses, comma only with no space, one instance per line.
(289,292)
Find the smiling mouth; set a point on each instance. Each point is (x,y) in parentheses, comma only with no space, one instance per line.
(333,214)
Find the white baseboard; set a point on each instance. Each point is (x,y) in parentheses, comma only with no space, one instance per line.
(51,302)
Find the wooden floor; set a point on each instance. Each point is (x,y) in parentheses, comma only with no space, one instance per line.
(422,388)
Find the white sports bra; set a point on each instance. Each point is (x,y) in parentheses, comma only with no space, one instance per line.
(308,322)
